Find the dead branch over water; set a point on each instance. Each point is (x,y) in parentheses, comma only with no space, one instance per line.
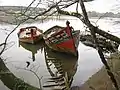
(92,29)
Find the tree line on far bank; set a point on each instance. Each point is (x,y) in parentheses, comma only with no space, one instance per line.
(106,14)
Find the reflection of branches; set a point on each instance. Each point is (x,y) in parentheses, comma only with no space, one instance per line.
(9,45)
(6,75)
(34,72)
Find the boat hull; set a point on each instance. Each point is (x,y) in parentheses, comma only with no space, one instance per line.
(62,39)
(31,40)
(30,35)
(68,45)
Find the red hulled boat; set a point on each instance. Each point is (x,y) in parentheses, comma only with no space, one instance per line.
(62,39)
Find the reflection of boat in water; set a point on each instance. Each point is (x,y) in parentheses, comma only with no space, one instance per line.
(32,48)
(62,67)
(30,35)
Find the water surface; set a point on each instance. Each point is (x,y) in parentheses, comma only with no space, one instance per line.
(47,64)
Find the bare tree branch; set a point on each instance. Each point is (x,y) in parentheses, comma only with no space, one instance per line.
(92,29)
(22,21)
(97,30)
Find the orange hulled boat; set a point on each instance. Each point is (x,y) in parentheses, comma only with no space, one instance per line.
(30,35)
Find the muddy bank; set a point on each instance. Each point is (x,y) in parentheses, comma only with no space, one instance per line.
(100,80)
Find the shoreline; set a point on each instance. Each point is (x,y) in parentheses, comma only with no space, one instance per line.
(101,80)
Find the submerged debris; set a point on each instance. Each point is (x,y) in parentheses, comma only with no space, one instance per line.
(105,44)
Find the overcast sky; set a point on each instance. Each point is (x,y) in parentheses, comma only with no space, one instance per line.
(97,5)
(102,5)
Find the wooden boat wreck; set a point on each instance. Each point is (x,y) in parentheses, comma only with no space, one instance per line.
(62,39)
(30,35)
